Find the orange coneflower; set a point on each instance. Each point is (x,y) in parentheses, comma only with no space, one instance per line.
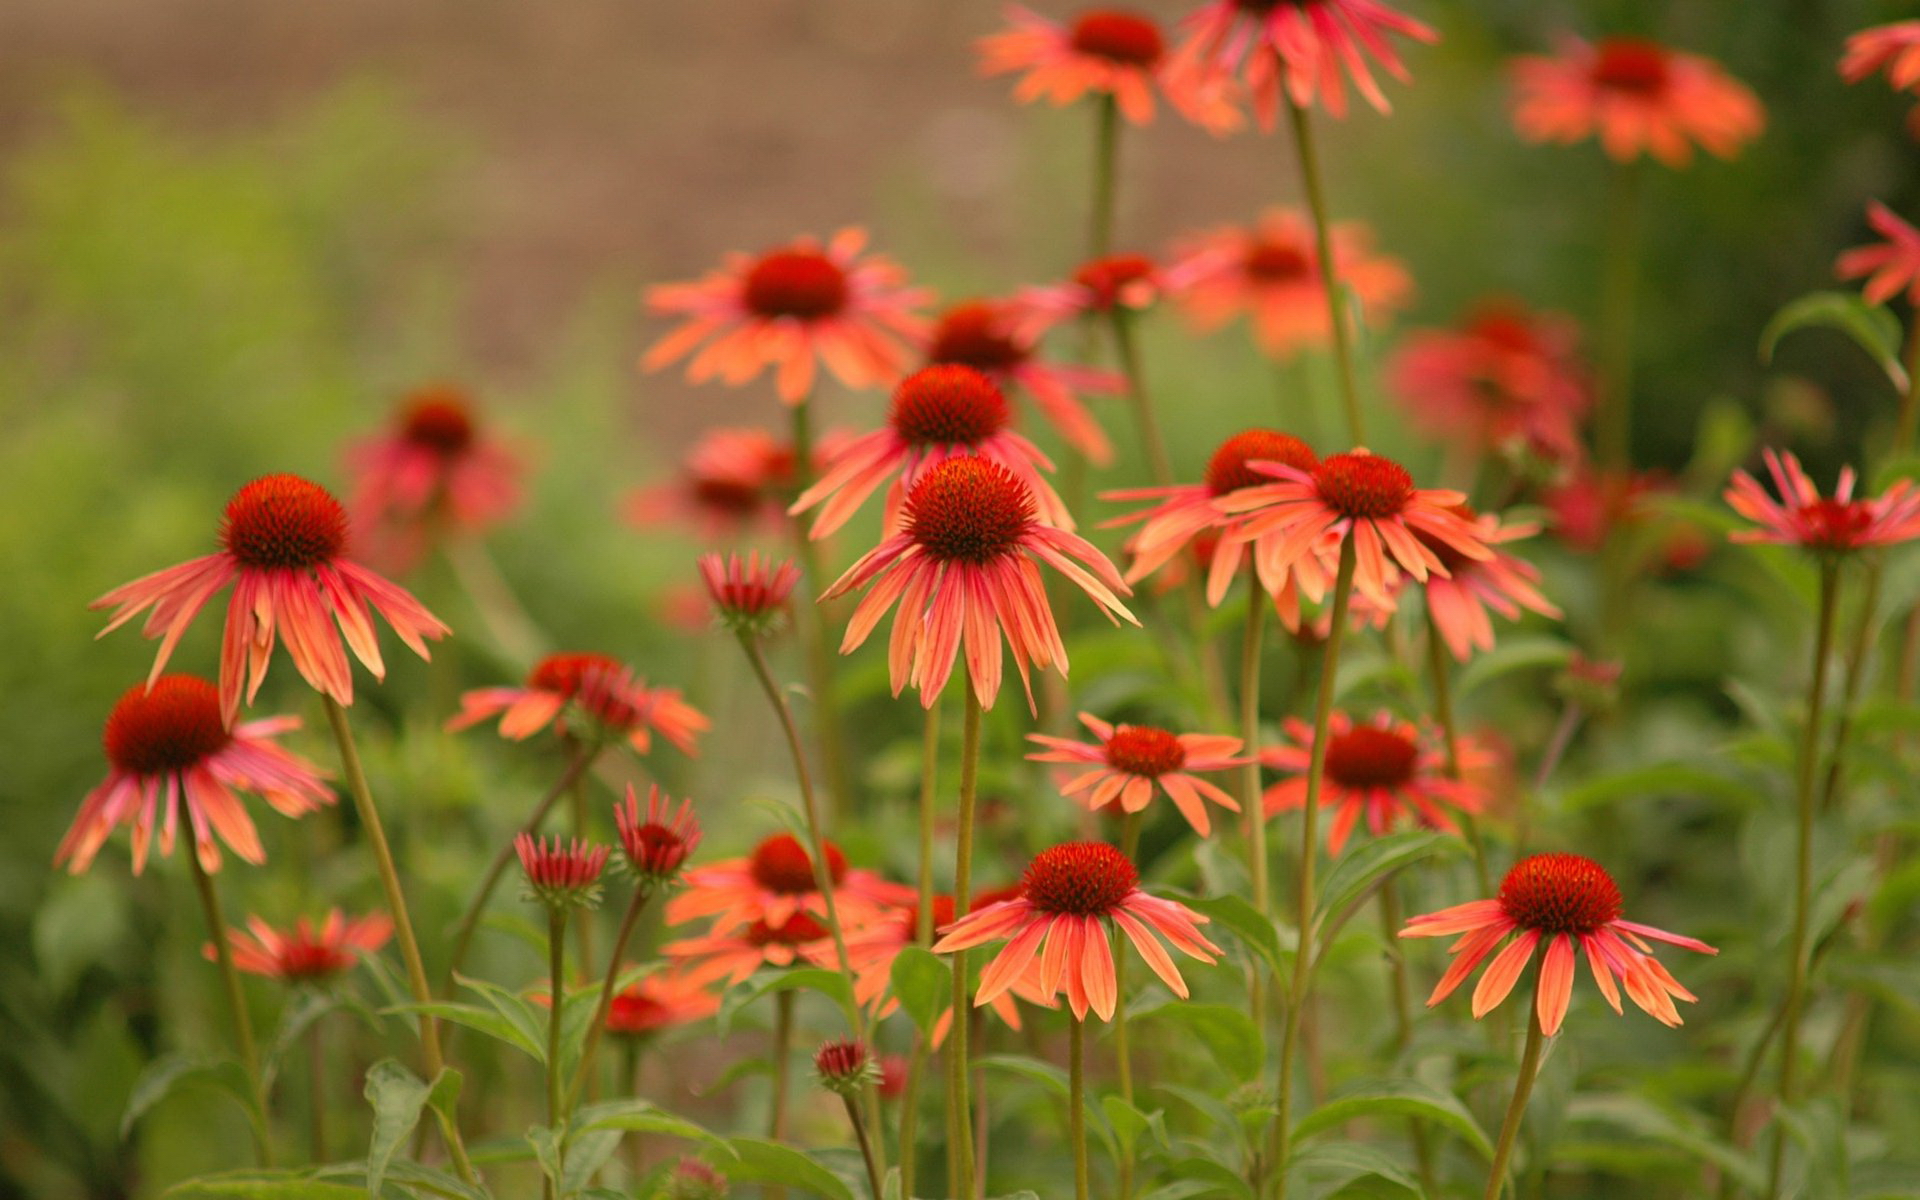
(775,882)
(1126,283)
(1897,48)
(737,954)
(1103,51)
(304,954)
(1802,517)
(993,337)
(1459,601)
(965,565)
(436,471)
(283,548)
(1638,96)
(749,595)
(1893,264)
(600,695)
(1133,762)
(1381,769)
(731,482)
(871,952)
(659,1001)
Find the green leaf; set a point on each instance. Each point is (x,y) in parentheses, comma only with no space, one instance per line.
(831,984)
(1227,1033)
(495,1025)
(82,919)
(1641,1118)
(1659,779)
(1512,654)
(1244,921)
(546,1152)
(1325,1168)
(586,1154)
(263,1185)
(1872,328)
(1373,860)
(758,1160)
(640,1116)
(529,1019)
(1129,1123)
(1201,1177)
(923,984)
(1054,1080)
(397,1096)
(1402,1099)
(170,1071)
(302,1010)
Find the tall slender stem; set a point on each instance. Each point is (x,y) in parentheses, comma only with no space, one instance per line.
(1106,154)
(1803,869)
(1517,1107)
(630,1072)
(813,635)
(1440,672)
(1620,268)
(316,1093)
(1303,958)
(1077,1103)
(1403,1020)
(922,936)
(782,1051)
(959,1108)
(866,1145)
(1122,1048)
(1143,416)
(1310,179)
(236,1000)
(598,1026)
(557,985)
(502,613)
(1252,807)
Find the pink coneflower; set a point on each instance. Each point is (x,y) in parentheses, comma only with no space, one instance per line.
(872,950)
(1589,505)
(1057,930)
(1104,51)
(1508,380)
(585,695)
(561,874)
(1271,272)
(435,472)
(283,542)
(1895,47)
(937,413)
(1127,283)
(1381,769)
(1638,96)
(1362,497)
(304,954)
(167,745)
(788,309)
(989,336)
(1133,762)
(749,594)
(1564,899)
(738,953)
(1309,47)
(659,1002)
(966,565)
(1828,526)
(658,842)
(732,482)
(1893,264)
(776,881)
(1460,599)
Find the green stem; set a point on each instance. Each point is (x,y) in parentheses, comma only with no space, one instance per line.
(598,1026)
(316,1093)
(910,1113)
(1252,805)
(236,999)
(819,659)
(1106,154)
(557,985)
(1517,1107)
(636,1145)
(1122,1049)
(504,616)
(1150,439)
(1303,957)
(1329,276)
(1077,1103)
(922,936)
(866,1145)
(782,1051)
(959,1109)
(1620,278)
(1403,1020)
(1440,672)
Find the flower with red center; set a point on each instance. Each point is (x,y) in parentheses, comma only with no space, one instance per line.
(1569,902)
(776,881)
(1639,97)
(990,337)
(303,954)
(1058,927)
(845,1066)
(585,695)
(658,845)
(1896,47)
(283,543)
(692,1179)
(965,565)
(1359,497)
(1587,507)
(731,483)
(734,955)
(1132,762)
(561,874)
(1894,265)
(1503,583)
(1271,272)
(435,473)
(872,949)
(749,595)
(1507,382)
(937,413)
(800,306)
(167,745)
(658,1002)
(1379,769)
(1117,284)
(1312,48)
(1835,525)
(1101,52)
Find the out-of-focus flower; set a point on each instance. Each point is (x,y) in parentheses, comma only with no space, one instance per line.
(732,482)
(561,874)
(1101,52)
(659,1002)
(966,566)
(845,1066)
(749,594)
(1271,272)
(989,336)
(871,952)
(1126,283)
(434,473)
(658,842)
(1382,769)
(1508,380)
(303,954)
(167,747)
(1503,583)
(1058,928)
(738,953)
(1835,525)
(1567,901)
(1638,97)
(1133,762)
(893,1076)
(692,1179)
(1587,507)
(585,695)
(793,309)
(1894,264)
(283,547)
(1896,47)
(776,881)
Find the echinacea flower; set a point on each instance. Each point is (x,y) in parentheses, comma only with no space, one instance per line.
(283,548)
(1896,47)
(1588,506)
(1311,48)
(991,337)
(775,882)
(732,482)
(1835,525)
(1638,96)
(872,949)
(435,472)
(658,842)
(1893,265)
(1271,272)
(1502,583)
(749,594)
(793,308)
(657,1002)
(561,874)
(1383,769)
(965,566)
(1134,762)
(1507,380)
(937,413)
(167,746)
(586,695)
(845,1066)
(736,954)
(1117,283)
(1358,497)
(1104,51)
(1572,904)
(303,954)
(1058,928)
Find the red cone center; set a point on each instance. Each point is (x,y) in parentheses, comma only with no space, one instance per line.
(565,673)
(1367,756)
(284,522)
(1363,486)
(796,283)
(1120,37)
(1559,893)
(1277,262)
(781,864)
(1082,879)
(974,335)
(174,726)
(948,404)
(1145,750)
(438,420)
(1105,277)
(1227,470)
(1632,65)
(969,510)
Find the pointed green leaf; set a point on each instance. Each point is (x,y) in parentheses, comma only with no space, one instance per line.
(640,1116)
(923,984)
(758,1160)
(831,984)
(1244,922)
(1872,328)
(1401,1099)
(397,1096)
(1327,1167)
(1375,859)
(261,1185)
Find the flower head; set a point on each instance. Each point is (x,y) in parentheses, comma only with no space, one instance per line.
(845,1066)
(743,949)
(657,844)
(658,1002)
(1117,283)
(993,338)
(304,954)
(1507,381)
(1894,265)
(692,1179)
(1058,928)
(1895,47)
(965,565)
(793,308)
(873,947)
(749,595)
(1103,52)
(1502,583)
(592,696)
(1640,98)
(732,482)
(283,544)
(776,881)
(1381,769)
(1835,525)
(168,747)
(436,471)
(1570,902)
(559,874)
(1132,762)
